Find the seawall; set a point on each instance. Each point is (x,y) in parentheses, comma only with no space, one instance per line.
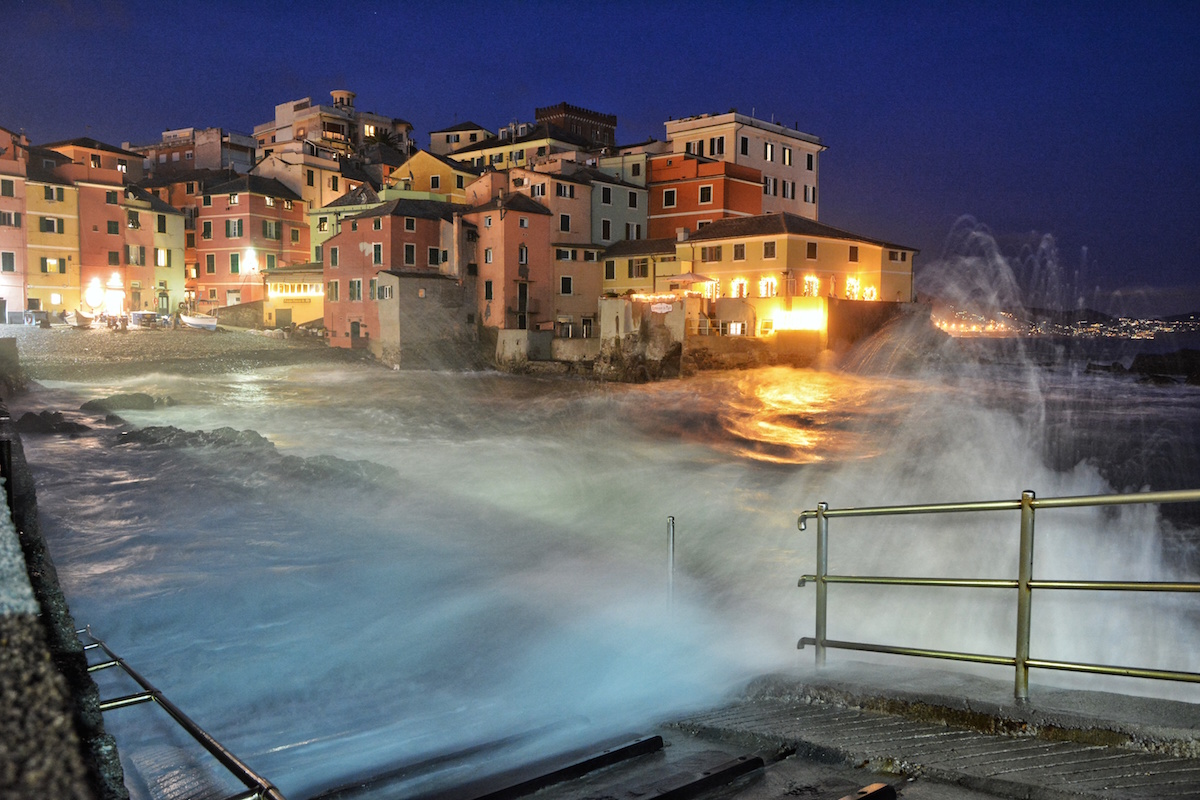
(50,720)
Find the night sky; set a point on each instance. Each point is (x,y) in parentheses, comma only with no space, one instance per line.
(1080,121)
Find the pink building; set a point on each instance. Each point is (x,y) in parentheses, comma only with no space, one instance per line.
(516,270)
(13,149)
(407,236)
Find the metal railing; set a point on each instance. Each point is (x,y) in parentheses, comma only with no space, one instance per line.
(256,786)
(1024,584)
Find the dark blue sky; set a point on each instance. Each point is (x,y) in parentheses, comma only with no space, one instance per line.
(1077,120)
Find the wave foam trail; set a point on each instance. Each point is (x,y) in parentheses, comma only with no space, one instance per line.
(503,571)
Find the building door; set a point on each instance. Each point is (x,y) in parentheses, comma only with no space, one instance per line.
(233,297)
(355,332)
(522,305)
(283,318)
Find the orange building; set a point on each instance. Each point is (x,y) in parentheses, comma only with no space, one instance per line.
(246,225)
(689,192)
(516,288)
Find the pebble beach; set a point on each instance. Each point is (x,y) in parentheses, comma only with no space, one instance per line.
(65,353)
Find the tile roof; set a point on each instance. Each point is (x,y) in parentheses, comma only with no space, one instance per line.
(201,176)
(462,126)
(157,204)
(363,195)
(457,166)
(640,247)
(513,201)
(782,223)
(402,207)
(255,184)
(93,144)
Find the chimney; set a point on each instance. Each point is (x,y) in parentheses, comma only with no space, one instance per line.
(681,234)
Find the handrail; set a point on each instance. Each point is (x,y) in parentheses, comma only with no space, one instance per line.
(1024,584)
(258,786)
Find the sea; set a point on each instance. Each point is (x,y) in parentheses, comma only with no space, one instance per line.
(340,570)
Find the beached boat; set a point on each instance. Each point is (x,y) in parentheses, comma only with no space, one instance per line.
(201,321)
(79,319)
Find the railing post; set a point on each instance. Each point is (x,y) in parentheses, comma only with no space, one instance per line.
(1024,598)
(822,587)
(670,563)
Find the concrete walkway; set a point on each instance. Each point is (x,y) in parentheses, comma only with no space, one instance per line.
(967,731)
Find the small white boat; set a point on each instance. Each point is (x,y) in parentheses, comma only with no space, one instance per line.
(79,319)
(201,321)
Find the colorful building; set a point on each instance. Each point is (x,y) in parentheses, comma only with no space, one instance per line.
(445,141)
(787,159)
(427,172)
(515,284)
(13,219)
(634,267)
(52,281)
(339,128)
(186,149)
(246,225)
(295,295)
(688,192)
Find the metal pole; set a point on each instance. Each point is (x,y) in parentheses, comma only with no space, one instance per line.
(822,586)
(670,562)
(1024,598)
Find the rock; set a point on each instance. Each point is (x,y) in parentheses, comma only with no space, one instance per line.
(137,401)
(170,436)
(49,422)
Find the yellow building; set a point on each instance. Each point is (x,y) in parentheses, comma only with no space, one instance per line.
(52,239)
(442,177)
(295,295)
(772,272)
(634,266)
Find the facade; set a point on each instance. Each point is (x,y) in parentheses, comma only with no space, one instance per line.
(13,221)
(772,272)
(315,177)
(295,295)
(426,320)
(98,155)
(515,286)
(619,209)
(52,281)
(246,226)
(426,172)
(598,130)
(787,159)
(324,223)
(689,192)
(338,129)
(187,149)
(635,267)
(405,235)
(465,134)
(519,145)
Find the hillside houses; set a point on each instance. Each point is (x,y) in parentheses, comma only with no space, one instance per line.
(521,239)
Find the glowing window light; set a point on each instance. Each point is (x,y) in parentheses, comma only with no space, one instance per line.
(738,287)
(812,286)
(114,295)
(870,294)
(768,287)
(55,299)
(852,288)
(94,294)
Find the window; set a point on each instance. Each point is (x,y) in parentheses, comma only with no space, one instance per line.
(712,253)
(333,182)
(58,265)
(633,231)
(537,190)
(564,222)
(633,199)
(706,194)
(768,252)
(111,197)
(333,256)
(311,178)
(210,264)
(639,267)
(206,200)
(809,157)
(8,188)
(716,146)
(522,255)
(190,239)
(384,293)
(122,165)
(853,253)
(635,170)
(487,221)
(377,224)
(768,287)
(52,225)
(487,255)
(287,205)
(487,290)
(606,229)
(372,288)
(114,258)
(787,156)
(114,227)
(897,255)
(738,288)
(10,219)
(190,187)
(331,291)
(377,253)
(95,161)
(695,148)
(745,145)
(235,263)
(233,228)
(769,151)
(135,255)
(610,270)
(162,257)
(564,189)
(234,198)
(523,222)
(410,255)
(458,182)
(435,256)
(668,198)
(811,251)
(435,182)
(565,284)
(271,229)
(318,254)
(810,193)
(322,223)
(739,252)
(354,290)
(8,262)
(162,223)
(270,202)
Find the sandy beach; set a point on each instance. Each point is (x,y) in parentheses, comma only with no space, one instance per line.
(65,353)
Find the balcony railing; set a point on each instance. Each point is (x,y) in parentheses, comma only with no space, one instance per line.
(1024,584)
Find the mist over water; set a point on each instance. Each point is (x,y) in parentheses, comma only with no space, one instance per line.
(428,562)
